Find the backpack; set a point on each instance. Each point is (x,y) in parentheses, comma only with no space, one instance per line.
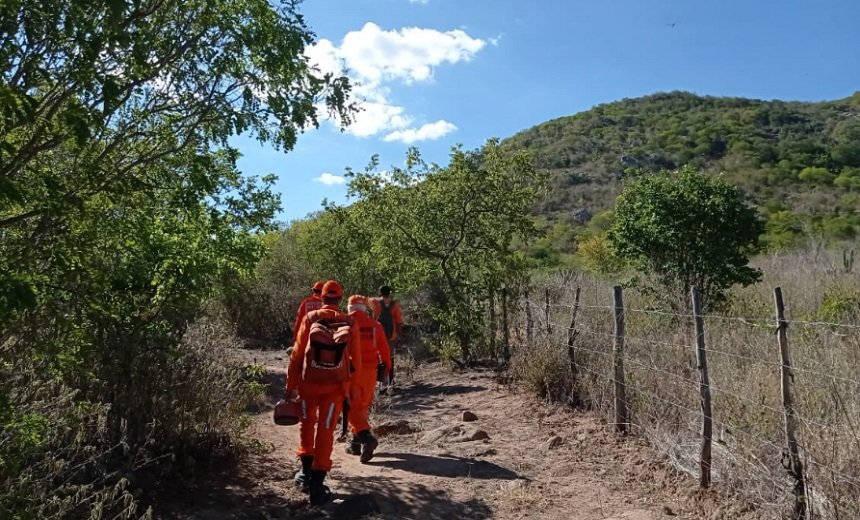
(326,359)
(386,319)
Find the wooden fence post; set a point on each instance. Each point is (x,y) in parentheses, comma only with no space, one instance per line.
(546,312)
(621,412)
(786,378)
(530,324)
(704,390)
(506,333)
(572,333)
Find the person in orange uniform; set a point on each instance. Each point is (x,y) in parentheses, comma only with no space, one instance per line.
(387,312)
(311,303)
(326,351)
(374,348)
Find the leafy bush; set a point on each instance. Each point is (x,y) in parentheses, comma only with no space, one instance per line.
(814,175)
(688,230)
(598,255)
(840,305)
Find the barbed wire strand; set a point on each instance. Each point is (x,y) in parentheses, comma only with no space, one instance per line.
(749,320)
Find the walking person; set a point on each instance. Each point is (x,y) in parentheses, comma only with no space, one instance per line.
(326,350)
(374,350)
(310,303)
(387,311)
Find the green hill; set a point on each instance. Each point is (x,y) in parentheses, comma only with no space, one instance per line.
(799,161)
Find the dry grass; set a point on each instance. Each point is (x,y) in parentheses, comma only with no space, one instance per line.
(744,366)
(63,460)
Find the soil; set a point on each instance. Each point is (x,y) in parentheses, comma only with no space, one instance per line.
(514,457)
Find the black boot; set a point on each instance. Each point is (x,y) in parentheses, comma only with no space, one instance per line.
(319,493)
(302,477)
(368,444)
(353,447)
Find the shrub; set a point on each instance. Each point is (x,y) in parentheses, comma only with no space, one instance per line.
(598,255)
(544,370)
(687,229)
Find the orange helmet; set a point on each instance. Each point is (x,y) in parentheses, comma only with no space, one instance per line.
(332,289)
(318,287)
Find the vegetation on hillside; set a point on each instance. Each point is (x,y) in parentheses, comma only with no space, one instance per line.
(799,161)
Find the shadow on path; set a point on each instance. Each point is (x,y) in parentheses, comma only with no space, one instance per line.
(414,396)
(443,466)
(391,497)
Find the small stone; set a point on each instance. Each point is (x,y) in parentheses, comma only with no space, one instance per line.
(554,442)
(668,511)
(469,416)
(400,427)
(442,433)
(479,435)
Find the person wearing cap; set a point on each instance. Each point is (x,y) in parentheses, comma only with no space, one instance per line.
(321,402)
(310,303)
(374,349)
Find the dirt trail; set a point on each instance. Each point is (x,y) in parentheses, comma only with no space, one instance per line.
(540,461)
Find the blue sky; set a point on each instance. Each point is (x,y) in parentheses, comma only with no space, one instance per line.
(435,73)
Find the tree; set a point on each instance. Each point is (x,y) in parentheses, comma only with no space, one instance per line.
(121,212)
(846,137)
(96,96)
(450,228)
(687,230)
(848,179)
(815,175)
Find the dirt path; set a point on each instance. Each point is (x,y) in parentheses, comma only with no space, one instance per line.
(540,461)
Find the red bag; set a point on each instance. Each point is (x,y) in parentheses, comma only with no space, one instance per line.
(286,413)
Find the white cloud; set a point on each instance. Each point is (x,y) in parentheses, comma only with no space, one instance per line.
(377,117)
(429,131)
(419,2)
(408,54)
(330,179)
(375,58)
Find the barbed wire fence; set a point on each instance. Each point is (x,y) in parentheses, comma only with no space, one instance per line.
(764,406)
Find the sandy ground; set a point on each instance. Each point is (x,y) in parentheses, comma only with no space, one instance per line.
(537,461)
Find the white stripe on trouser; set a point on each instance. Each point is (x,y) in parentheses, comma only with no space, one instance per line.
(328,417)
(304,410)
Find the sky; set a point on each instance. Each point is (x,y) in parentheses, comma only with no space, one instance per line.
(438,73)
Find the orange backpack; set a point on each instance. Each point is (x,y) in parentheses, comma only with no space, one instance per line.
(326,357)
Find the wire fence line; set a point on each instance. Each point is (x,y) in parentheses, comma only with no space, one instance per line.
(785,406)
(749,320)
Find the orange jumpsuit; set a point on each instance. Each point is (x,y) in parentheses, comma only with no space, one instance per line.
(311,303)
(374,347)
(321,405)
